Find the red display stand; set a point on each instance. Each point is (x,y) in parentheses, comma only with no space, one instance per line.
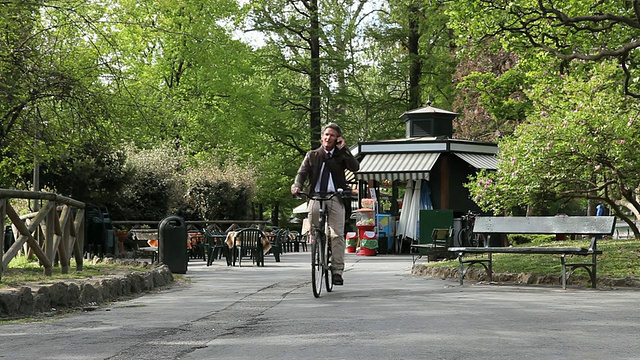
(366,252)
(365,247)
(351,241)
(366,225)
(365,221)
(363,228)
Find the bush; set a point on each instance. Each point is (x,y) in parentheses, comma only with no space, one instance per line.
(164,181)
(145,197)
(154,186)
(90,173)
(219,192)
(520,239)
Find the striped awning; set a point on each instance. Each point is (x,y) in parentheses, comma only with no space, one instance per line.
(480,161)
(399,166)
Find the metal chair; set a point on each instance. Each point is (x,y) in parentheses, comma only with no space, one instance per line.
(196,244)
(441,241)
(299,241)
(248,243)
(278,245)
(216,247)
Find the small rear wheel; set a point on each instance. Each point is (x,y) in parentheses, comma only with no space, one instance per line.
(317,271)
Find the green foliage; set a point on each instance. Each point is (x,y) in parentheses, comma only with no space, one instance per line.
(163,181)
(80,78)
(50,95)
(575,62)
(219,192)
(145,197)
(218,200)
(93,173)
(501,97)
(520,239)
(393,56)
(580,142)
(153,184)
(545,39)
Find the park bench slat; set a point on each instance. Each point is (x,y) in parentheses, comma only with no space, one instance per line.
(578,225)
(526,250)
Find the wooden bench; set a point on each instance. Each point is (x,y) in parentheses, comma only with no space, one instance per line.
(593,226)
(442,239)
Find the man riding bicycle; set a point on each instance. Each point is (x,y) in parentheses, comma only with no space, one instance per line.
(324,169)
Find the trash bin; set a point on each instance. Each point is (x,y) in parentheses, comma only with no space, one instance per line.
(172,244)
(9,239)
(95,241)
(110,234)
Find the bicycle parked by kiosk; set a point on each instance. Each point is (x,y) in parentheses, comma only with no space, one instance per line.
(321,270)
(466,237)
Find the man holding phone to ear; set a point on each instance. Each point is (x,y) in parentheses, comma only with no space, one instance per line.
(335,157)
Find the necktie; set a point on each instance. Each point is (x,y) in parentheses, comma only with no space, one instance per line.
(324,179)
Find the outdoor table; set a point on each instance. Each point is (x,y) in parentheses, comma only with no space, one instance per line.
(151,251)
(266,244)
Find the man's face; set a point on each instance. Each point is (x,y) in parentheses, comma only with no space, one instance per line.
(329,138)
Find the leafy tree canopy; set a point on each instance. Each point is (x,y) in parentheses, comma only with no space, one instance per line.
(580,141)
(570,30)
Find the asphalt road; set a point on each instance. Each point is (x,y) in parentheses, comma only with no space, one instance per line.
(382,312)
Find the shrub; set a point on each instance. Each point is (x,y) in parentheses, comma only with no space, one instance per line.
(165,181)
(520,239)
(154,186)
(219,192)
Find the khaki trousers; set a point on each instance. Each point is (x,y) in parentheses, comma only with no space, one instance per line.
(334,228)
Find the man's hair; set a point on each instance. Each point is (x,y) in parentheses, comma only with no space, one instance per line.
(333,126)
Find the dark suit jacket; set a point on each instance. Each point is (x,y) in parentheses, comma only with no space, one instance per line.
(312,164)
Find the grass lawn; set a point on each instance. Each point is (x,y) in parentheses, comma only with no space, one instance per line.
(620,258)
(21,270)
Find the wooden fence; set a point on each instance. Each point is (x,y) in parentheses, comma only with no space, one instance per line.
(55,232)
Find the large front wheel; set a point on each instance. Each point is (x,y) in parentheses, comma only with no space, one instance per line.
(328,274)
(317,271)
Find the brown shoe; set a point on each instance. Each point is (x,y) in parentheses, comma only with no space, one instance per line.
(337,279)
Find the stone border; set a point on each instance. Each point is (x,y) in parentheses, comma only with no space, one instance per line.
(478,274)
(28,301)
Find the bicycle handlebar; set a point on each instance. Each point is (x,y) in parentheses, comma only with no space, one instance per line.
(470,215)
(322,196)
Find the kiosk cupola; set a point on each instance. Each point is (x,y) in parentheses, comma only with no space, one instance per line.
(429,122)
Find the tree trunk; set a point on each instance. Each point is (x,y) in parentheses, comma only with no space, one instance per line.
(314,74)
(415,69)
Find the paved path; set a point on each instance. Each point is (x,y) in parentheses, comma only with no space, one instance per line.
(382,312)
